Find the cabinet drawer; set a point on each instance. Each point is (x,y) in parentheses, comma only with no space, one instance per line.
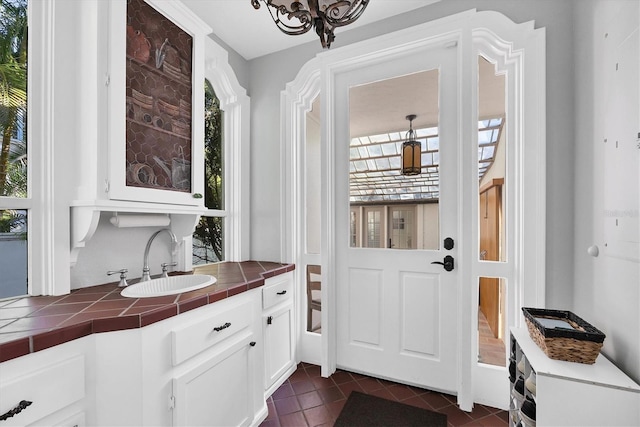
(192,338)
(49,389)
(277,292)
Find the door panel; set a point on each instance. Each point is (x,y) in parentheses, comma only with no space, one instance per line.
(365,304)
(420,314)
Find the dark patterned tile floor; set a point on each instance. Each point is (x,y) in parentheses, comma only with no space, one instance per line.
(307,399)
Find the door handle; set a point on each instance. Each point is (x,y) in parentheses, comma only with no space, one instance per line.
(447,264)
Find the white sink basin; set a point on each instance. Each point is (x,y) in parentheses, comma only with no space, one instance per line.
(168,286)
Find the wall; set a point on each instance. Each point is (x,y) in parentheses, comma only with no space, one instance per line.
(607,290)
(113,248)
(269,75)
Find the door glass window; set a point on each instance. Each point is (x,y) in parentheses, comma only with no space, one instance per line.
(491,321)
(400,211)
(492,145)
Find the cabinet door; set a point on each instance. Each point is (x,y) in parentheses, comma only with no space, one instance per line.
(218,392)
(156,103)
(278,343)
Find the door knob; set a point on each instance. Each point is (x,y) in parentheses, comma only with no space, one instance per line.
(447,264)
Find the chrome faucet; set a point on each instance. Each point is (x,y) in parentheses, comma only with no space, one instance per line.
(145,267)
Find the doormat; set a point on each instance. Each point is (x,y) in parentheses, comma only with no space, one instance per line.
(363,410)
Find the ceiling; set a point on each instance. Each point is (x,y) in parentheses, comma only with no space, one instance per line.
(252,33)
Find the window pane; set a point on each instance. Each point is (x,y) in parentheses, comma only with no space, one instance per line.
(13,99)
(13,247)
(373,228)
(208,237)
(208,240)
(213,150)
(491,320)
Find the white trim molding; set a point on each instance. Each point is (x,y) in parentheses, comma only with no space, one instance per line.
(236,106)
(519,51)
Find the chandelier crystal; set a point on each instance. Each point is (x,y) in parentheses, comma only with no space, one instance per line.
(298,17)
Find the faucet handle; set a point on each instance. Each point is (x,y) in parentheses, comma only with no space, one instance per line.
(123,277)
(164,266)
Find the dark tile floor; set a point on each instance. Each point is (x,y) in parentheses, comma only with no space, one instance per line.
(307,399)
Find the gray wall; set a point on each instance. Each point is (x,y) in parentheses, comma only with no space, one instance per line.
(268,76)
(606,291)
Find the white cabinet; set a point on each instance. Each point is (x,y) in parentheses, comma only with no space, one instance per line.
(219,391)
(51,384)
(278,329)
(142,126)
(202,367)
(572,394)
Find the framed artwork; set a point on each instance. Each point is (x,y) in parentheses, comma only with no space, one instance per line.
(158,101)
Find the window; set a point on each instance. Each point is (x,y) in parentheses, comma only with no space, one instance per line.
(208,237)
(15,202)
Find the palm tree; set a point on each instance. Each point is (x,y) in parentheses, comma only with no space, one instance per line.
(13,90)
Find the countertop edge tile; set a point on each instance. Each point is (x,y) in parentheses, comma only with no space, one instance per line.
(12,349)
(153,316)
(61,335)
(111,324)
(193,303)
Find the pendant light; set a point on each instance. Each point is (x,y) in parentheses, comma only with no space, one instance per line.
(411,151)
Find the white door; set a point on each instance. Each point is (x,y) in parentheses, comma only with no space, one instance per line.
(396,311)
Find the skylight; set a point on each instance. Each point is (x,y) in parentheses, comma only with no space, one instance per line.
(375,165)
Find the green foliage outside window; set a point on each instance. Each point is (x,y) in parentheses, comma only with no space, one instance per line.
(13,97)
(208,242)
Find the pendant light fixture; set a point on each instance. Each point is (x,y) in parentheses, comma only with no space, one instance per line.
(411,151)
(298,17)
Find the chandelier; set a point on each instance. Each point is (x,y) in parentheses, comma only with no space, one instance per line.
(411,151)
(323,15)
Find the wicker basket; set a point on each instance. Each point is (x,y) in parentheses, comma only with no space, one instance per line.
(581,344)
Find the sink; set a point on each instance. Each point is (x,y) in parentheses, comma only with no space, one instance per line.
(168,286)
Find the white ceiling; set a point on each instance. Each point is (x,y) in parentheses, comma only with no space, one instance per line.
(252,33)
(376,108)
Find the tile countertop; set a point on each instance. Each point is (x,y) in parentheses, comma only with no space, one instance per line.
(30,324)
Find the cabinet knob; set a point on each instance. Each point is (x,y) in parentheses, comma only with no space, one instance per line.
(252,343)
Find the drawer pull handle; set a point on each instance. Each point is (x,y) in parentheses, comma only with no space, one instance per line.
(282,292)
(252,343)
(219,328)
(22,405)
